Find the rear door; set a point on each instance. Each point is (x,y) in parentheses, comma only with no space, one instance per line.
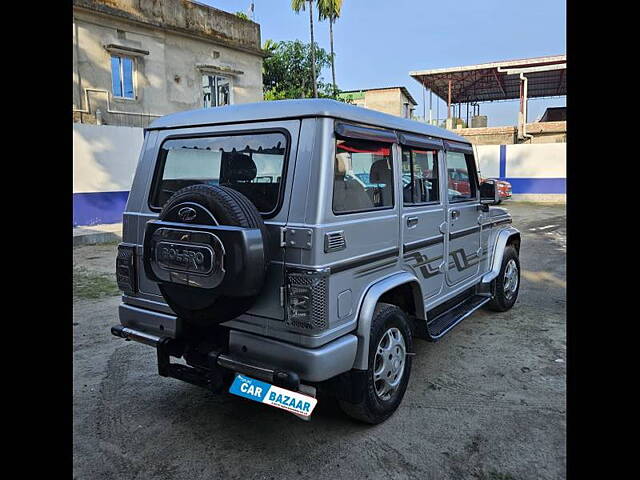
(186,156)
(464,250)
(423,211)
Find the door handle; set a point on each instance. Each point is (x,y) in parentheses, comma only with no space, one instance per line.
(455,214)
(412,221)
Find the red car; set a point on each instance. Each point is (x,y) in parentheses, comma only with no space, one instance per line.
(504,188)
(459,181)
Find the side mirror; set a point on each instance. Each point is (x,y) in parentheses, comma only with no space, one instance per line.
(489,193)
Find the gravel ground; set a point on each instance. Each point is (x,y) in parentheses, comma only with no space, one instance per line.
(485,402)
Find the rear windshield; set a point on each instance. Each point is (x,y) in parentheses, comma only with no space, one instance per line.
(252,164)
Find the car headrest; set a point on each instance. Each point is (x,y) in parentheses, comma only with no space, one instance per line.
(237,167)
(343,163)
(380,172)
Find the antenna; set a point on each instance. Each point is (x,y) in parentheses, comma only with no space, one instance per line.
(251,11)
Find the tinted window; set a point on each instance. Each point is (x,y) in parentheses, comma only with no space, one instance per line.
(419,176)
(363,176)
(251,164)
(462,185)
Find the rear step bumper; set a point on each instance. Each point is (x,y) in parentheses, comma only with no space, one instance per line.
(210,377)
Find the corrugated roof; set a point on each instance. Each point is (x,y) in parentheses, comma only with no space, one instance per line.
(489,81)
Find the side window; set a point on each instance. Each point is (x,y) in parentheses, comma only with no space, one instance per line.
(419,176)
(363,176)
(122,71)
(461,179)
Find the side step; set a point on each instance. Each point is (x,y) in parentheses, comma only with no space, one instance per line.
(448,319)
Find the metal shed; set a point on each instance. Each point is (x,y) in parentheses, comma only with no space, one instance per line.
(505,80)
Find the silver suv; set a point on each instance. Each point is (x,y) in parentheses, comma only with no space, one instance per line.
(289,248)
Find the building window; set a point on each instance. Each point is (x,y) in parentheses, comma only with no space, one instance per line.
(122,71)
(216,91)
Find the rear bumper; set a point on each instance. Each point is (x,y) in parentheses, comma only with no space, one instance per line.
(210,372)
(150,321)
(311,364)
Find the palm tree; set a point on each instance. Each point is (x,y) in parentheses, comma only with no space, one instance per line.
(330,9)
(298,5)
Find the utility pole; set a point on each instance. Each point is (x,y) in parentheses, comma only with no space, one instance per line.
(430,106)
(251,12)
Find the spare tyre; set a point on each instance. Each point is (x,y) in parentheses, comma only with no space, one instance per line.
(207,272)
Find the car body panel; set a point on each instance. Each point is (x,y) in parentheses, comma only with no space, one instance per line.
(381,251)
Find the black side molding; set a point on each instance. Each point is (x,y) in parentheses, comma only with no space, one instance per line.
(410,247)
(340,267)
(463,233)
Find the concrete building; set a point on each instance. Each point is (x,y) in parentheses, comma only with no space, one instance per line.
(394,100)
(135,60)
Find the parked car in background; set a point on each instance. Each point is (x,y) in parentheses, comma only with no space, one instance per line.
(459,181)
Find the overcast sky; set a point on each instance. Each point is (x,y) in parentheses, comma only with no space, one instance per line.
(378,42)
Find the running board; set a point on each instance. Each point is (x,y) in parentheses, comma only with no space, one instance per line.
(448,319)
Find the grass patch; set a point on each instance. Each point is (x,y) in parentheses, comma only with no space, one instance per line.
(92,285)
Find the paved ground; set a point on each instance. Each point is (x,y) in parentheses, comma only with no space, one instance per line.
(486,402)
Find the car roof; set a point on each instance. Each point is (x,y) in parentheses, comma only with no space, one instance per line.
(310,107)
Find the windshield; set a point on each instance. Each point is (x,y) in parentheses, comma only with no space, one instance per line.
(252,164)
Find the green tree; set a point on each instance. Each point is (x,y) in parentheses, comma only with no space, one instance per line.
(330,9)
(299,5)
(288,70)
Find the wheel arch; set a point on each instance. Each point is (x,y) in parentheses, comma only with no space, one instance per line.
(393,289)
(507,236)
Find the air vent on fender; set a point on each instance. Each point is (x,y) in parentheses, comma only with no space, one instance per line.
(334,241)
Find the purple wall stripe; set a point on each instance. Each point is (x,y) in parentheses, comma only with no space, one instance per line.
(99,207)
(538,185)
(503,161)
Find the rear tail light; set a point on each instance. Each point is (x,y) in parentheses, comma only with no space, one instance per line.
(307,300)
(126,268)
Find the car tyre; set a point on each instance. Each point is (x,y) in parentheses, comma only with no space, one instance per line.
(390,334)
(507,283)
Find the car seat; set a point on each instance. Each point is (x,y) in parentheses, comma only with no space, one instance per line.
(380,173)
(348,193)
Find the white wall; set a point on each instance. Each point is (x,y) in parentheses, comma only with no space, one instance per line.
(488,159)
(104,157)
(537,172)
(538,160)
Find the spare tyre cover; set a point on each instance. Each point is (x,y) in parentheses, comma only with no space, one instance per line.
(196,253)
